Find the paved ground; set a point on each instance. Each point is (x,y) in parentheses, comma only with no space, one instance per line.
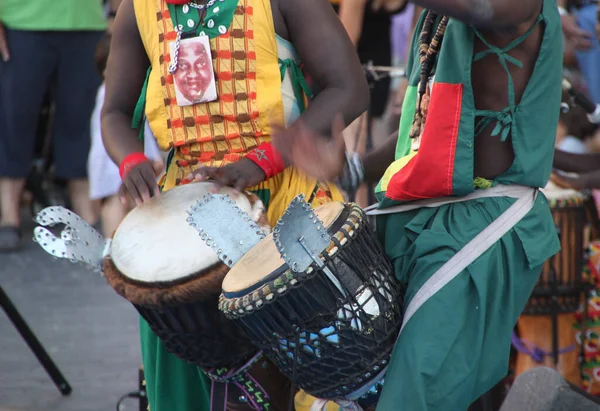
(89,330)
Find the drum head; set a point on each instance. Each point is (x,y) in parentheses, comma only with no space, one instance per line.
(264,259)
(155,243)
(559,197)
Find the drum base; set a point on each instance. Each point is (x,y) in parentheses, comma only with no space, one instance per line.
(187,320)
(537,330)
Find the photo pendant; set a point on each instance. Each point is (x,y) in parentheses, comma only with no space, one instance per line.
(194,78)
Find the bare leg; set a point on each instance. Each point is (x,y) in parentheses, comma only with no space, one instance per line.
(10,201)
(113,212)
(80,199)
(10,213)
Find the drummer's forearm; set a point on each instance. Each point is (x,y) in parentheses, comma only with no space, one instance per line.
(125,74)
(576,163)
(330,58)
(120,140)
(377,161)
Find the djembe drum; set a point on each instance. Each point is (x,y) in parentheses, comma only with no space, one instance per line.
(156,261)
(329,326)
(546,333)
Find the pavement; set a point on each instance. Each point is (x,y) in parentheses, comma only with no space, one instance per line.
(90,332)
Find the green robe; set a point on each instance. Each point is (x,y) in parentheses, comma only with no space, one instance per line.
(456,346)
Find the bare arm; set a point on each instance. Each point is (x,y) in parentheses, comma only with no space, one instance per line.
(576,163)
(352,13)
(330,58)
(125,73)
(376,162)
(495,14)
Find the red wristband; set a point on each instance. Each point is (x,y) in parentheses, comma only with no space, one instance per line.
(268,159)
(131,161)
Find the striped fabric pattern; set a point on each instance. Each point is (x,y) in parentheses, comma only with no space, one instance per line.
(227,128)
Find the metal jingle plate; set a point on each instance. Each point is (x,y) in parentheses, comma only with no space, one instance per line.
(224,227)
(79,242)
(300,236)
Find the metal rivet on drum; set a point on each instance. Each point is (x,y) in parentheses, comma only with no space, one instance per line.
(243,399)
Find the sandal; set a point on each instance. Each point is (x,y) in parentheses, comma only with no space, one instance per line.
(10,238)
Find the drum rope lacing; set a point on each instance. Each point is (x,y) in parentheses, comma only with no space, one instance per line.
(252,392)
(535,352)
(361,256)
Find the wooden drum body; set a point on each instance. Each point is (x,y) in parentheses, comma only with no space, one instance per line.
(536,331)
(158,262)
(547,323)
(331,342)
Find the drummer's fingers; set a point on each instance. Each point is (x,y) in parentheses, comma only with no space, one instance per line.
(141,185)
(226,177)
(150,182)
(202,174)
(560,181)
(241,183)
(122,193)
(131,188)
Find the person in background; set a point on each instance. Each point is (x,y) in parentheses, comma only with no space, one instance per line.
(103,173)
(460,215)
(46,44)
(579,19)
(574,132)
(369,26)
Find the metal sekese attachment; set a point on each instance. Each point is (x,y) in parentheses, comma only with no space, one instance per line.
(300,237)
(78,241)
(226,228)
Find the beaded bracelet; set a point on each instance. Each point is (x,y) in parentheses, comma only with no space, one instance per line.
(353,175)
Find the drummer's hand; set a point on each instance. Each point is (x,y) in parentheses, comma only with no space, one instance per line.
(575,182)
(581,39)
(139,184)
(240,175)
(316,155)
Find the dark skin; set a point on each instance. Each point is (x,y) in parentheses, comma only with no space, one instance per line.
(500,22)
(586,169)
(334,66)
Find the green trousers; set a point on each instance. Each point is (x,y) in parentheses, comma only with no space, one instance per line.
(171,383)
(456,346)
